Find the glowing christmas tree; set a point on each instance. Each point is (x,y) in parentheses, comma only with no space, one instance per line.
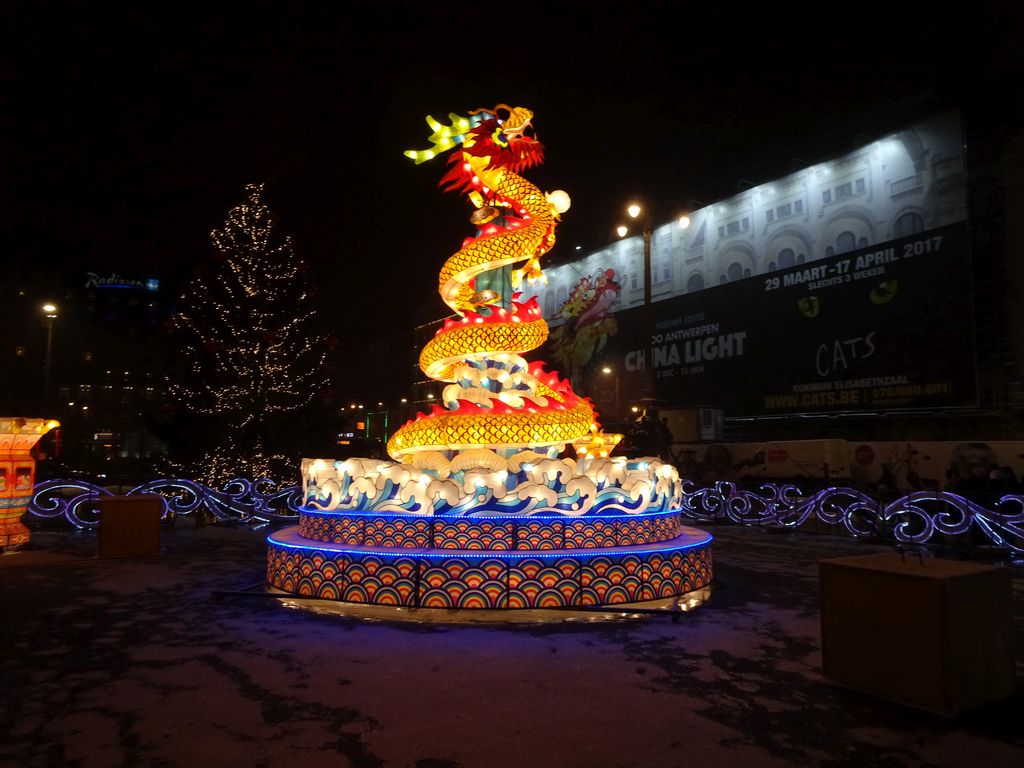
(248,355)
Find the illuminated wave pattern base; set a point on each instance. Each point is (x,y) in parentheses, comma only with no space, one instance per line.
(556,533)
(495,578)
(492,563)
(538,485)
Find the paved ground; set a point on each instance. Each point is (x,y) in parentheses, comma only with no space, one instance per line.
(140,662)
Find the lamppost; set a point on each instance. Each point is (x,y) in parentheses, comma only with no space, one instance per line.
(646,223)
(49,314)
(609,371)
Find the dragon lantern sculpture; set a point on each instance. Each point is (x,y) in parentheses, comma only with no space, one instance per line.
(497,405)
(497,443)
(479,509)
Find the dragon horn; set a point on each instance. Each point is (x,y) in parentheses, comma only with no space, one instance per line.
(517,116)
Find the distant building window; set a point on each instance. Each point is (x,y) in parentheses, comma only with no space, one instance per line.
(721,231)
(785,210)
(633,283)
(772,266)
(549,304)
(699,239)
(695,283)
(844,191)
(733,228)
(735,271)
(746,271)
(909,223)
(787,257)
(826,196)
(770,215)
(560,296)
(798,206)
(721,280)
(846,241)
(746,223)
(861,186)
(666,271)
(799,258)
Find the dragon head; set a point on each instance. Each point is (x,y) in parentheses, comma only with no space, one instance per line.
(509,140)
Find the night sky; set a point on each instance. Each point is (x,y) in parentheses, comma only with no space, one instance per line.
(129,131)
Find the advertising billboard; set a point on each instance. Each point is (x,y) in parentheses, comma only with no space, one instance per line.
(843,287)
(865,330)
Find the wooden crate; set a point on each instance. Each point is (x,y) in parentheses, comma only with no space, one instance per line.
(931,633)
(130,525)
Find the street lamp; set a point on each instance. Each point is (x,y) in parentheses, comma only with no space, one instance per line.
(49,314)
(646,223)
(609,371)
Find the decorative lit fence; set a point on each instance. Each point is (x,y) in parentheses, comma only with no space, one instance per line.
(917,518)
(241,500)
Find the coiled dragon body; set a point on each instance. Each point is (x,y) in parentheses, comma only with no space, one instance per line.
(495,400)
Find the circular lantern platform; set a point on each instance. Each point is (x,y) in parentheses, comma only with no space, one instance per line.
(489,562)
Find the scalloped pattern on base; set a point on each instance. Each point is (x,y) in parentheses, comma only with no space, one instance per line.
(492,578)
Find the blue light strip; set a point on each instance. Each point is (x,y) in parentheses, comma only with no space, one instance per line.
(491,554)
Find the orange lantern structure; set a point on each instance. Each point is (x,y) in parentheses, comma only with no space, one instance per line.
(18,436)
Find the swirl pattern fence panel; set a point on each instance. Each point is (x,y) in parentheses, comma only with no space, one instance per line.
(916,518)
(240,500)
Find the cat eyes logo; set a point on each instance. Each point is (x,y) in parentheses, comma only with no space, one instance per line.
(809,305)
(883,292)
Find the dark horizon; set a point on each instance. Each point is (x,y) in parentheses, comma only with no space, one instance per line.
(133,133)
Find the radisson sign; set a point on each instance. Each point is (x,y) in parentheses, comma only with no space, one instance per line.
(93,280)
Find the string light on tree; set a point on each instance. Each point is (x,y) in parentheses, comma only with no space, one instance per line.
(244,334)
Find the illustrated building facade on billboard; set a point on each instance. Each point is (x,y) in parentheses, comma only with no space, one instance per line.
(842,286)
